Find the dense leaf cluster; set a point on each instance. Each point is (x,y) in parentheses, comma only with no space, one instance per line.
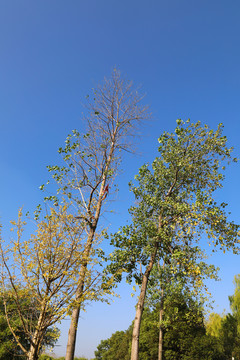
(8,347)
(185,338)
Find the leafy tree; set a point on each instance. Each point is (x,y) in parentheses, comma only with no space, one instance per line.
(177,275)
(214,324)
(8,347)
(235,301)
(184,339)
(174,206)
(231,325)
(116,347)
(229,336)
(42,271)
(185,336)
(46,357)
(225,328)
(91,163)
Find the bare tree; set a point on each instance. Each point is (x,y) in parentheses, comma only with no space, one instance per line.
(91,165)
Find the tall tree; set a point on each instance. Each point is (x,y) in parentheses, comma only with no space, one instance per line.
(175,205)
(43,269)
(182,272)
(184,339)
(185,336)
(91,164)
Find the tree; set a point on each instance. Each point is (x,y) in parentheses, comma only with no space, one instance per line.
(43,269)
(231,325)
(184,339)
(177,277)
(8,347)
(225,327)
(174,206)
(214,324)
(235,301)
(114,348)
(229,336)
(185,335)
(91,164)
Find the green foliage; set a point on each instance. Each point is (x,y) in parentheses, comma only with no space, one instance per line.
(47,265)
(116,347)
(235,301)
(174,209)
(214,325)
(229,337)
(185,337)
(45,357)
(174,197)
(8,347)
(225,328)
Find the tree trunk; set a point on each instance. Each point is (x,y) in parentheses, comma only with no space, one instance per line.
(139,311)
(160,344)
(72,333)
(33,353)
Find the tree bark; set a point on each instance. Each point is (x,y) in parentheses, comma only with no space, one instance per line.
(139,311)
(160,344)
(33,353)
(72,333)
(36,342)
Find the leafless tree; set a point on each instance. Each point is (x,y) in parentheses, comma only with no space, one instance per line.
(92,162)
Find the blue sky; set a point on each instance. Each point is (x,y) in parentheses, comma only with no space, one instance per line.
(185,55)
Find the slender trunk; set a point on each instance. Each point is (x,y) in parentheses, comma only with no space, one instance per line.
(33,353)
(72,333)
(35,347)
(139,311)
(160,344)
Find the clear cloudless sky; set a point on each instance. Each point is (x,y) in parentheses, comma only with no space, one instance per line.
(185,55)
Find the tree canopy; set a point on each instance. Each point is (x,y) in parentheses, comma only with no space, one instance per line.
(42,268)
(175,208)
(225,327)
(8,346)
(184,339)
